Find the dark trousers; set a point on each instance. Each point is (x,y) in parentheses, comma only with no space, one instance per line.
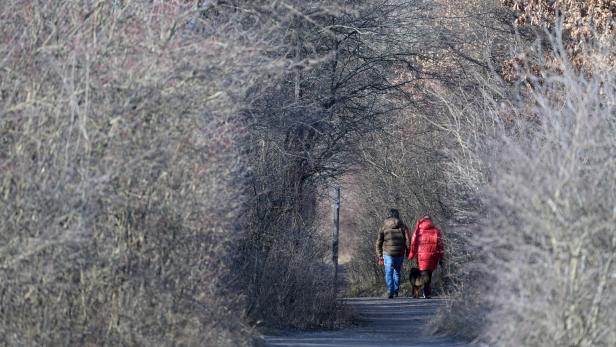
(427,284)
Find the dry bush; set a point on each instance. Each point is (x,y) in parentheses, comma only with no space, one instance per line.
(583,19)
(465,177)
(121,180)
(584,22)
(549,232)
(287,281)
(540,158)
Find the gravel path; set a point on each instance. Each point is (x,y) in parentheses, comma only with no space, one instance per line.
(385,323)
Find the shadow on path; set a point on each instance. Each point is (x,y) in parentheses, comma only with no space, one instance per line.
(397,322)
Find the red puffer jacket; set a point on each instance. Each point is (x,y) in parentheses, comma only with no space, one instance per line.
(426,244)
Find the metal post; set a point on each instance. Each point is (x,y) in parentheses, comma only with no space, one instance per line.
(335,240)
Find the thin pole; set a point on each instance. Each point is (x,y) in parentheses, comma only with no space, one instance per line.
(335,240)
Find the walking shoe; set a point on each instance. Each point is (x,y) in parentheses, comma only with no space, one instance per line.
(396,293)
(390,296)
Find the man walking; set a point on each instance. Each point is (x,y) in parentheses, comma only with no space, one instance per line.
(391,249)
(427,246)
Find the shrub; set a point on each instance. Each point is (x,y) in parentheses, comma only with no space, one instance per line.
(120,185)
(541,155)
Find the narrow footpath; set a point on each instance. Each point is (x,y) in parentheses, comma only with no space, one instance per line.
(397,322)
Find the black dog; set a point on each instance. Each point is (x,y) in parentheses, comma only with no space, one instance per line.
(418,280)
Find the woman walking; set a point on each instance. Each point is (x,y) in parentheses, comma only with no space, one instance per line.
(427,246)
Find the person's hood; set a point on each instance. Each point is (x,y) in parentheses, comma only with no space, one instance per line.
(392,223)
(426,223)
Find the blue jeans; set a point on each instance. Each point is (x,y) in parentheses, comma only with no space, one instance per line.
(393,265)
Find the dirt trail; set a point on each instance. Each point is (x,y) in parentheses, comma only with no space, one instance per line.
(397,322)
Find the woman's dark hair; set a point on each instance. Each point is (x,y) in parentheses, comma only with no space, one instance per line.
(394,213)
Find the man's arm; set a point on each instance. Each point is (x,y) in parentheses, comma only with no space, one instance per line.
(379,244)
(407,240)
